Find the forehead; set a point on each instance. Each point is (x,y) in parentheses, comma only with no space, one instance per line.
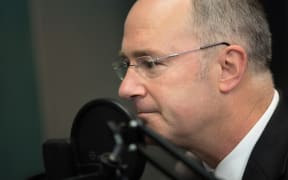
(154,23)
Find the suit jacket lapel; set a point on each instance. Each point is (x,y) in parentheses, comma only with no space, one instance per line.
(269,156)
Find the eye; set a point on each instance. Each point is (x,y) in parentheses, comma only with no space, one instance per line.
(148,64)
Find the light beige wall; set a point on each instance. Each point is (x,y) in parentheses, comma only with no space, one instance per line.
(75,43)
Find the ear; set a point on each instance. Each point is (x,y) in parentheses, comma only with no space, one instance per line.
(233,65)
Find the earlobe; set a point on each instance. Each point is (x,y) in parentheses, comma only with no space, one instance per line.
(233,65)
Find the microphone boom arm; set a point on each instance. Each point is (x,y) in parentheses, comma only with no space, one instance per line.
(137,126)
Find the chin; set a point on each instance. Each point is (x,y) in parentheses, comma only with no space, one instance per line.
(153,122)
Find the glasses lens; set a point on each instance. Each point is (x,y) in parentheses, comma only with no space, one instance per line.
(120,67)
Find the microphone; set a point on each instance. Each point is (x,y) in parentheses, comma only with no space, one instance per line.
(107,143)
(93,149)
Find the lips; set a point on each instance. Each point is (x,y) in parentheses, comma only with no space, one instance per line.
(145,111)
(143,116)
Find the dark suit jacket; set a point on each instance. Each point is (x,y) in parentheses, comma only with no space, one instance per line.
(269,158)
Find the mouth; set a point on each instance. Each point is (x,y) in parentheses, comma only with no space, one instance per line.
(147,117)
(143,117)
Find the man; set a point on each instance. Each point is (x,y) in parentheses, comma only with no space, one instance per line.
(198,74)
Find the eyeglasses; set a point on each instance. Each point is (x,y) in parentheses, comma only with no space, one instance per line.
(152,66)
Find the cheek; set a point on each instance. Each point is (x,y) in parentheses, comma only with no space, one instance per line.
(187,109)
(184,102)
(188,93)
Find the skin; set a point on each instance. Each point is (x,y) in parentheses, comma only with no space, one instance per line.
(207,116)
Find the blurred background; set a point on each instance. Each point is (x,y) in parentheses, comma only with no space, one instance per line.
(55,56)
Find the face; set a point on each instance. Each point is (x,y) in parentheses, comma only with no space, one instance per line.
(178,103)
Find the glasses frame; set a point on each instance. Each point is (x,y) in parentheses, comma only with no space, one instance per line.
(121,67)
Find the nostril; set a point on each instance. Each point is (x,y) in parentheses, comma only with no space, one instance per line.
(133,97)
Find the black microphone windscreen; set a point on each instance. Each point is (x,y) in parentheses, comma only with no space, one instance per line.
(91,137)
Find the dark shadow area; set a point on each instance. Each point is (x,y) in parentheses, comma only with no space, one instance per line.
(278,19)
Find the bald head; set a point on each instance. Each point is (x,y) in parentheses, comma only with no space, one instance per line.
(157,18)
(160,11)
(239,22)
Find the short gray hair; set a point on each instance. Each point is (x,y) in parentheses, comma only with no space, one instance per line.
(241,22)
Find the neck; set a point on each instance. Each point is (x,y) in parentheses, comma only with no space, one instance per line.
(243,109)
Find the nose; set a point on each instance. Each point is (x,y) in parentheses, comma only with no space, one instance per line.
(131,86)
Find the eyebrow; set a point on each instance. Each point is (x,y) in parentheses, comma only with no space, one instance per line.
(138,53)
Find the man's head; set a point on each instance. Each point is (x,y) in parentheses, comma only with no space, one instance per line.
(239,22)
(189,98)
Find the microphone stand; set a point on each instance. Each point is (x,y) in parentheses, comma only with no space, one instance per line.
(114,169)
(137,126)
(128,137)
